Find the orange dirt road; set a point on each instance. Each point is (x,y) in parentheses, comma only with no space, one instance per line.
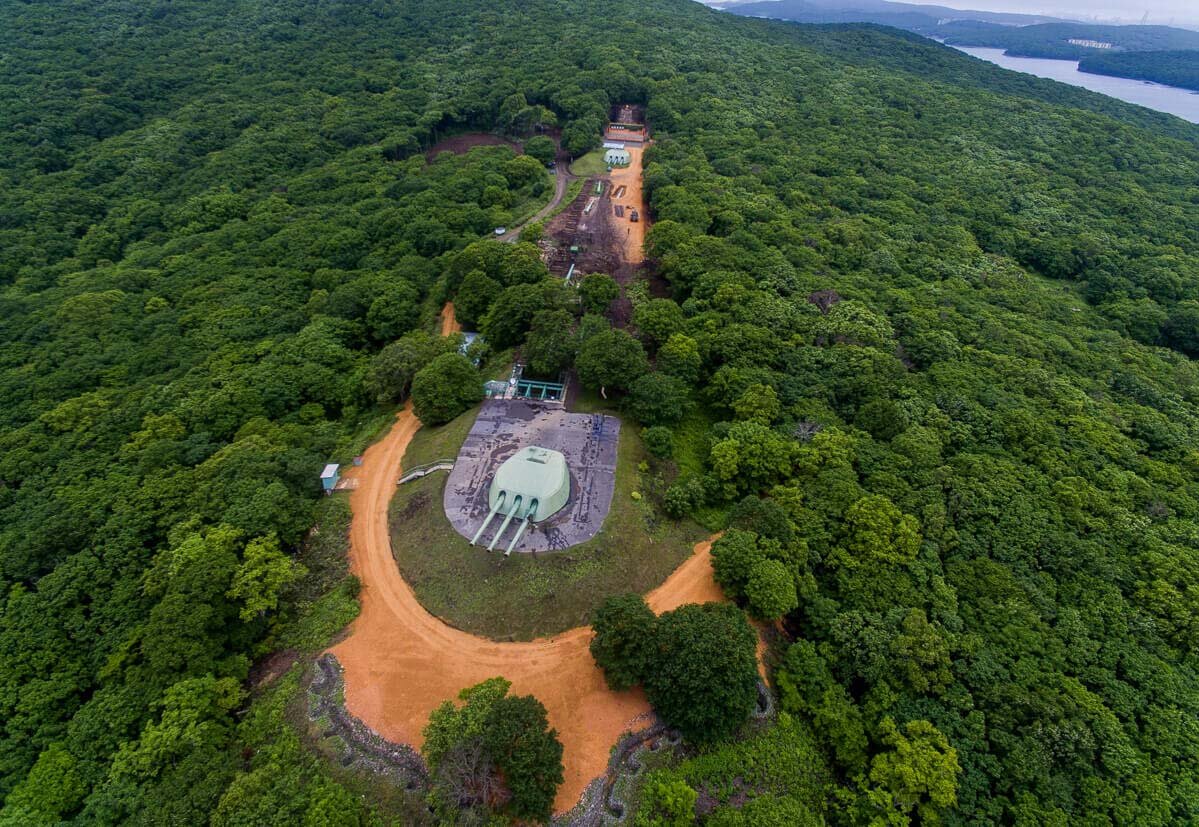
(400,661)
(449,324)
(633,240)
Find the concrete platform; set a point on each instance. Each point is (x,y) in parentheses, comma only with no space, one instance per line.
(503,427)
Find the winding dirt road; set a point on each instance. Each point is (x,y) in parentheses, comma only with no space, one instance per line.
(400,661)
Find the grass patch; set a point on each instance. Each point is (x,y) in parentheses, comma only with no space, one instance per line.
(522,597)
(442,442)
(590,164)
(691,443)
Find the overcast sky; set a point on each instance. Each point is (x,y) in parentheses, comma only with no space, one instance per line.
(1160,11)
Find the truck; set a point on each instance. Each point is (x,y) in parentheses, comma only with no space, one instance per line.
(633,216)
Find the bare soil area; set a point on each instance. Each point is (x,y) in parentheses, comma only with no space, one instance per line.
(461,144)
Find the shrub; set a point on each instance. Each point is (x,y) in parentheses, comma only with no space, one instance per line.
(666,801)
(765,811)
(659,440)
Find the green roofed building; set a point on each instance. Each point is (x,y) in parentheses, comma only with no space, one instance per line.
(531,485)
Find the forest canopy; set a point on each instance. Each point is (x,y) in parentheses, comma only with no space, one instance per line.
(941,319)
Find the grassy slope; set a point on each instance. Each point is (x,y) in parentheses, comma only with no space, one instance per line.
(590,164)
(523,597)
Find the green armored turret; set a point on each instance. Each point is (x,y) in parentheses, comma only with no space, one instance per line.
(531,485)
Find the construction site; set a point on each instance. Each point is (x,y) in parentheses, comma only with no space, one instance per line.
(603,229)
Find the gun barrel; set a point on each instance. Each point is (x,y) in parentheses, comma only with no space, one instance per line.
(499,503)
(504,525)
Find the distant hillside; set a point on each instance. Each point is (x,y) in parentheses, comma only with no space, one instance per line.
(1053,40)
(1104,47)
(911,16)
(1175,68)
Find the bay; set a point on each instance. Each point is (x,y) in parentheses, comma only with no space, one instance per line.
(1170,99)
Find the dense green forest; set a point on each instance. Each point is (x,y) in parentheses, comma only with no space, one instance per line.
(936,322)
(1175,68)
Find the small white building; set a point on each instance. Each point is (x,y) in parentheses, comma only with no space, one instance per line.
(617,157)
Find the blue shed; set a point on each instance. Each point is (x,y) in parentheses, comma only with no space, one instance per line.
(330,476)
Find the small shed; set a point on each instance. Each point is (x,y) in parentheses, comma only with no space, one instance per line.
(330,476)
(617,157)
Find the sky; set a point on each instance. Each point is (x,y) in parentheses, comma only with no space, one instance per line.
(1161,12)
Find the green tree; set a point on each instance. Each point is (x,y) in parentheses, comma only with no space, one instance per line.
(881,418)
(444,388)
(523,170)
(679,356)
(770,590)
(611,359)
(495,748)
(1182,328)
(759,403)
(541,148)
(921,652)
(735,554)
(390,374)
(264,573)
(527,753)
(659,399)
(918,773)
(657,320)
(508,319)
(807,687)
(765,517)
(550,345)
(704,676)
(450,724)
(597,291)
(876,531)
(852,322)
(53,790)
(624,640)
(751,458)
(394,312)
(474,298)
